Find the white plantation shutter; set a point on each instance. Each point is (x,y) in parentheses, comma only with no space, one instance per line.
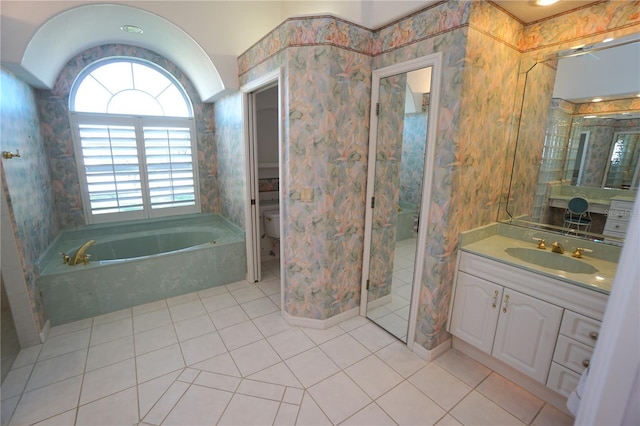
(169,160)
(136,167)
(111,168)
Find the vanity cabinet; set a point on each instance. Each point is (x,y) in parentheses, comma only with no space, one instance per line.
(538,325)
(511,326)
(618,218)
(578,336)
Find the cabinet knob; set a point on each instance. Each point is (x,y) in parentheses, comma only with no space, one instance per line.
(585,363)
(504,304)
(495,299)
(593,335)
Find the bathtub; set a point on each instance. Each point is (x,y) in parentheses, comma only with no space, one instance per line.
(407,216)
(139,262)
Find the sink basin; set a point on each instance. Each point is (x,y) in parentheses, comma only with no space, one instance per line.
(551,260)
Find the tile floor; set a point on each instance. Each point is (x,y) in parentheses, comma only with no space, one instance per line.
(225,356)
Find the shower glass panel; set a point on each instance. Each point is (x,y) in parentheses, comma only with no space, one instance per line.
(399,168)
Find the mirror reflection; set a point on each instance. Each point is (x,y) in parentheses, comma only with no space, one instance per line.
(578,137)
(399,168)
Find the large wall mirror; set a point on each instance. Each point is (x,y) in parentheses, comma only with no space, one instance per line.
(578,136)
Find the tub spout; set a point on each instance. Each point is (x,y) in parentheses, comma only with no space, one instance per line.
(81,256)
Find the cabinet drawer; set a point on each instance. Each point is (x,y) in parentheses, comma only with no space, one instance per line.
(619,208)
(571,354)
(580,328)
(616,225)
(562,380)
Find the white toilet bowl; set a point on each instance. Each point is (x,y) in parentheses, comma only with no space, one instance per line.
(272,223)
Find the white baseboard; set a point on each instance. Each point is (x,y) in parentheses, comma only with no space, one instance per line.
(45,331)
(430,355)
(522,380)
(379,301)
(320,324)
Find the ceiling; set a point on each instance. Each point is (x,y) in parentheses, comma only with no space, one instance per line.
(527,11)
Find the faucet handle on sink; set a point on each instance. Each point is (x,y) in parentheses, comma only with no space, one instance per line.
(578,253)
(540,243)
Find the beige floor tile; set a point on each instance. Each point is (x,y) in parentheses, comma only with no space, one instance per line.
(150,320)
(158,363)
(111,331)
(112,316)
(189,375)
(186,310)
(65,343)
(47,401)
(371,415)
(16,381)
(247,294)
(218,381)
(110,353)
(166,403)
(312,366)
(448,420)
(372,337)
(149,307)
(407,405)
(399,357)
(70,327)
(220,301)
(202,348)
(66,418)
(344,350)
(228,316)
(290,343)
(155,338)
(213,291)
(278,374)
(259,307)
(374,376)
(108,380)
(271,324)
(261,390)
(240,335)
(248,410)
(550,415)
(7,408)
(293,396)
(182,299)
(441,386)
(237,285)
(463,367)
(254,357)
(56,369)
(310,414)
(320,336)
(287,414)
(199,406)
(269,287)
(101,412)
(353,323)
(511,397)
(27,356)
(222,364)
(476,409)
(150,392)
(193,327)
(339,397)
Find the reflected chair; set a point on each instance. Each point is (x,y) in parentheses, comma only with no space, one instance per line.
(577,217)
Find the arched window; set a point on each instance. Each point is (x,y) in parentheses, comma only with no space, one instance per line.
(134,140)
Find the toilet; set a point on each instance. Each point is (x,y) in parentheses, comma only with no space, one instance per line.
(270,220)
(272,223)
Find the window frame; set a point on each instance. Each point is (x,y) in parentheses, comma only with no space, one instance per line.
(138,122)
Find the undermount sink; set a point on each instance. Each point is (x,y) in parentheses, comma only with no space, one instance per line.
(551,260)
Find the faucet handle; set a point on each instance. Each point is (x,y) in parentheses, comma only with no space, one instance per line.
(66,259)
(578,253)
(541,244)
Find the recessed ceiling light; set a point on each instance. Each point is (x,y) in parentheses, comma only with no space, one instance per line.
(596,100)
(131,29)
(545,2)
(607,40)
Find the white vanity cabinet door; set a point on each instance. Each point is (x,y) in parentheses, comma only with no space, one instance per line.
(526,334)
(475,311)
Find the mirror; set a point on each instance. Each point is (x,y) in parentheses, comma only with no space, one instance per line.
(400,144)
(569,144)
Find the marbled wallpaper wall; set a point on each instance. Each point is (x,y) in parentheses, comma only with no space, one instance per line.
(26,181)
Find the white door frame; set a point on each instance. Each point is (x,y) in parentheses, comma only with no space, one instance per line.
(435,61)
(252,201)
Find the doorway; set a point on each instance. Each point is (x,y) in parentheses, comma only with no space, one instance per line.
(401,155)
(262,112)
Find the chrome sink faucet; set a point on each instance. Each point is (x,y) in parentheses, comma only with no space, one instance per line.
(557,248)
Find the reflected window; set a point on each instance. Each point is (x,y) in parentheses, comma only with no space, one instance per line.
(134,141)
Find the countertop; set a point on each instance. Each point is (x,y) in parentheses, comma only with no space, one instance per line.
(494,247)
